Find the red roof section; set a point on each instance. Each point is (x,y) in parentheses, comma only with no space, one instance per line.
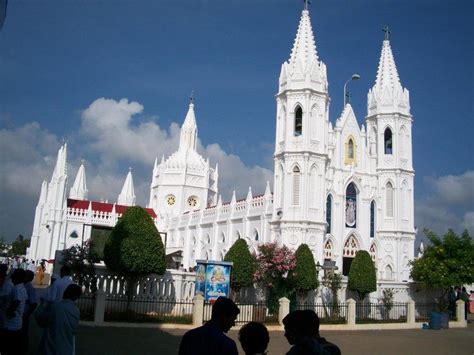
(102,206)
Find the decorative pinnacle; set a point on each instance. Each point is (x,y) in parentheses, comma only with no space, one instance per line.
(387,32)
(306,3)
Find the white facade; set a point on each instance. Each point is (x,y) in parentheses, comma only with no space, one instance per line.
(338,188)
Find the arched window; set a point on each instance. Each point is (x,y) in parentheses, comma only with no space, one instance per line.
(372,219)
(194,240)
(222,238)
(350,149)
(404,201)
(328,214)
(348,254)
(388,273)
(313,187)
(328,250)
(208,239)
(298,121)
(388,144)
(237,235)
(296,186)
(255,235)
(373,252)
(351,206)
(389,199)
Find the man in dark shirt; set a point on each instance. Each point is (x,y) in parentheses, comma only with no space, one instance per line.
(210,339)
(313,323)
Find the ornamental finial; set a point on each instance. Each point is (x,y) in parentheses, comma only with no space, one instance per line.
(387,32)
(191,97)
(306,3)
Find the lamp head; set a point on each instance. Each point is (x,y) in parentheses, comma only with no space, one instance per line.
(355,76)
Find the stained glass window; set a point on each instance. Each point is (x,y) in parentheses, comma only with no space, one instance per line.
(372,219)
(328,214)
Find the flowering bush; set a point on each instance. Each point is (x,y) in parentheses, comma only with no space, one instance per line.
(274,265)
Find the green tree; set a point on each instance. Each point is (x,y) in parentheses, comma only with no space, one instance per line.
(20,245)
(3,246)
(244,266)
(304,277)
(134,249)
(446,262)
(362,277)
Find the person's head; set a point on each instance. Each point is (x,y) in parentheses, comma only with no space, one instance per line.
(254,338)
(18,276)
(65,271)
(29,276)
(72,292)
(463,289)
(224,312)
(301,324)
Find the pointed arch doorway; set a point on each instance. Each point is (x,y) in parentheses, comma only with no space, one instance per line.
(351,247)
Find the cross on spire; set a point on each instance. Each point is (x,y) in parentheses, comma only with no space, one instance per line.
(191,97)
(387,32)
(306,3)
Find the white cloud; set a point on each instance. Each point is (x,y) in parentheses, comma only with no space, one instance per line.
(447,204)
(113,135)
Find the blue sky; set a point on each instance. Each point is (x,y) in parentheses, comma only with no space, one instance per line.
(59,57)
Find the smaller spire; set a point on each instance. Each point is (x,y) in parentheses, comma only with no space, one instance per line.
(219,201)
(233,200)
(127,195)
(79,189)
(44,192)
(268,192)
(188,136)
(249,194)
(155,164)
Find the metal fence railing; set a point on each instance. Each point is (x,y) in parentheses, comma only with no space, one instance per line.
(86,304)
(145,309)
(380,313)
(327,313)
(249,312)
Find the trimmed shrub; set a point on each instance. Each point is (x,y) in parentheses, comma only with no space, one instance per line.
(244,265)
(362,277)
(304,277)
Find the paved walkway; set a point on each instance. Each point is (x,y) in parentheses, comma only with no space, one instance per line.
(118,341)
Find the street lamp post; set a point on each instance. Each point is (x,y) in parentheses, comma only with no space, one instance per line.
(346,93)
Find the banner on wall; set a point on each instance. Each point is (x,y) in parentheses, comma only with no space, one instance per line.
(213,279)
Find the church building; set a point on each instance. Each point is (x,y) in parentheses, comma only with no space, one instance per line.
(338,188)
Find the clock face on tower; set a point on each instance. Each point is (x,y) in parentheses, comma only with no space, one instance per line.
(192,201)
(170,200)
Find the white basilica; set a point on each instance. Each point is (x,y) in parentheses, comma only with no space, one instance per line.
(338,188)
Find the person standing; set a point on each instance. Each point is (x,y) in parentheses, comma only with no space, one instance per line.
(210,339)
(6,289)
(57,289)
(60,321)
(10,337)
(30,307)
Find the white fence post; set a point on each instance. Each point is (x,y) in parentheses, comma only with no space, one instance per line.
(198,310)
(460,312)
(99,306)
(284,309)
(351,312)
(411,312)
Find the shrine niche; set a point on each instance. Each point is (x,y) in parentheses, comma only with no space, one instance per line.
(373,253)
(351,206)
(328,251)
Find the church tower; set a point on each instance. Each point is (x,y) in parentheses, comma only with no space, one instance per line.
(389,127)
(301,147)
(184,181)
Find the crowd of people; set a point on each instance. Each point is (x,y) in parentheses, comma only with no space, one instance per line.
(301,331)
(54,311)
(17,262)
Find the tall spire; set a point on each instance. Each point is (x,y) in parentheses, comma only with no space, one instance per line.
(387,74)
(79,189)
(127,196)
(303,69)
(304,48)
(188,136)
(387,95)
(60,170)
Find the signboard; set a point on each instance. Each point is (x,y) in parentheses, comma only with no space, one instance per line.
(213,279)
